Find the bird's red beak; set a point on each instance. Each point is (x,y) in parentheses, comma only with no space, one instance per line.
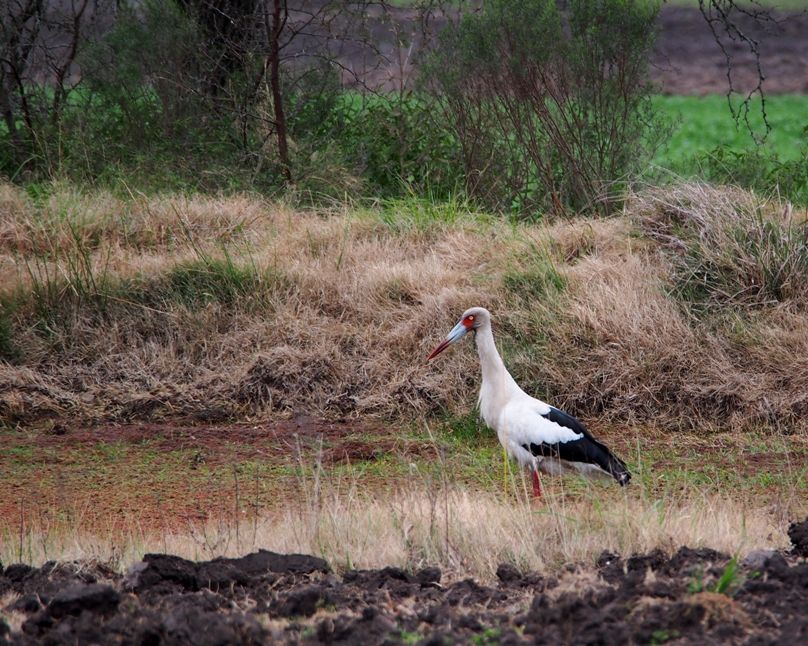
(440,348)
(457,333)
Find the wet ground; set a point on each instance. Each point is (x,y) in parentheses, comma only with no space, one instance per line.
(168,474)
(692,597)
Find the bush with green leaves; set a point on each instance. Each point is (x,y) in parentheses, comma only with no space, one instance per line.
(398,146)
(150,111)
(549,100)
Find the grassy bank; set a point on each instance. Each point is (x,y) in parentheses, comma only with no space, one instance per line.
(689,311)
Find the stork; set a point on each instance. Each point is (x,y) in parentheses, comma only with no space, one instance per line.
(537,435)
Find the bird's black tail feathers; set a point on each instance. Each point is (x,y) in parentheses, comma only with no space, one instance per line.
(614,466)
(586,449)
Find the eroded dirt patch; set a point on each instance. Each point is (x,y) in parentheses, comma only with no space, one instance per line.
(261,597)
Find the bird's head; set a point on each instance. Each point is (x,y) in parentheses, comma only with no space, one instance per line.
(472,319)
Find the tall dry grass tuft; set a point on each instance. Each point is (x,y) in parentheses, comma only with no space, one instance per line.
(729,248)
(463,532)
(689,311)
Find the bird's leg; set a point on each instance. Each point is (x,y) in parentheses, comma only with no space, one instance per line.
(536,483)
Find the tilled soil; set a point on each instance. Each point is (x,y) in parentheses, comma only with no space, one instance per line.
(694,596)
(688,60)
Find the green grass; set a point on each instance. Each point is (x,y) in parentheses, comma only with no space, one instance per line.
(488,637)
(421,214)
(701,124)
(541,280)
(193,284)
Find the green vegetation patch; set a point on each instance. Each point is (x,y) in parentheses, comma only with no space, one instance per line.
(198,282)
(541,279)
(414,213)
(703,123)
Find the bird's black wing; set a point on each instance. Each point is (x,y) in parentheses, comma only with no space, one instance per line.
(586,449)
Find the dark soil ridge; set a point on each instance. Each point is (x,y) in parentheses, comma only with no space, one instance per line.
(267,597)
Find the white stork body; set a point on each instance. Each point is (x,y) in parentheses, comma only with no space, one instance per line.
(537,435)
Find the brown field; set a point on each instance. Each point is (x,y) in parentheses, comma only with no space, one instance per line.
(687,59)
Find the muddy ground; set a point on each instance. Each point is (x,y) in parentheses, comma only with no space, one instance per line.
(694,596)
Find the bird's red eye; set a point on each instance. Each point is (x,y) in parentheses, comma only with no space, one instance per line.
(471,318)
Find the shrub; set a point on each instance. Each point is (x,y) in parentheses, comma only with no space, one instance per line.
(389,144)
(398,146)
(550,105)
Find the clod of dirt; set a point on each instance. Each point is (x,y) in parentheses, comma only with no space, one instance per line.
(468,592)
(798,533)
(302,602)
(508,573)
(428,576)
(188,624)
(95,597)
(756,559)
(776,567)
(17,572)
(165,569)
(390,581)
(27,603)
(643,562)
(265,561)
(687,560)
(610,566)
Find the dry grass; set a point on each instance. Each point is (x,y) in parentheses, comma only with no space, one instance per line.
(465,533)
(345,327)
(214,308)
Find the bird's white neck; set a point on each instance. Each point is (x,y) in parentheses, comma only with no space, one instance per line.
(496,379)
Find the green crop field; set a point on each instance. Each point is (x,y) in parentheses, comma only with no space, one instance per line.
(700,124)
